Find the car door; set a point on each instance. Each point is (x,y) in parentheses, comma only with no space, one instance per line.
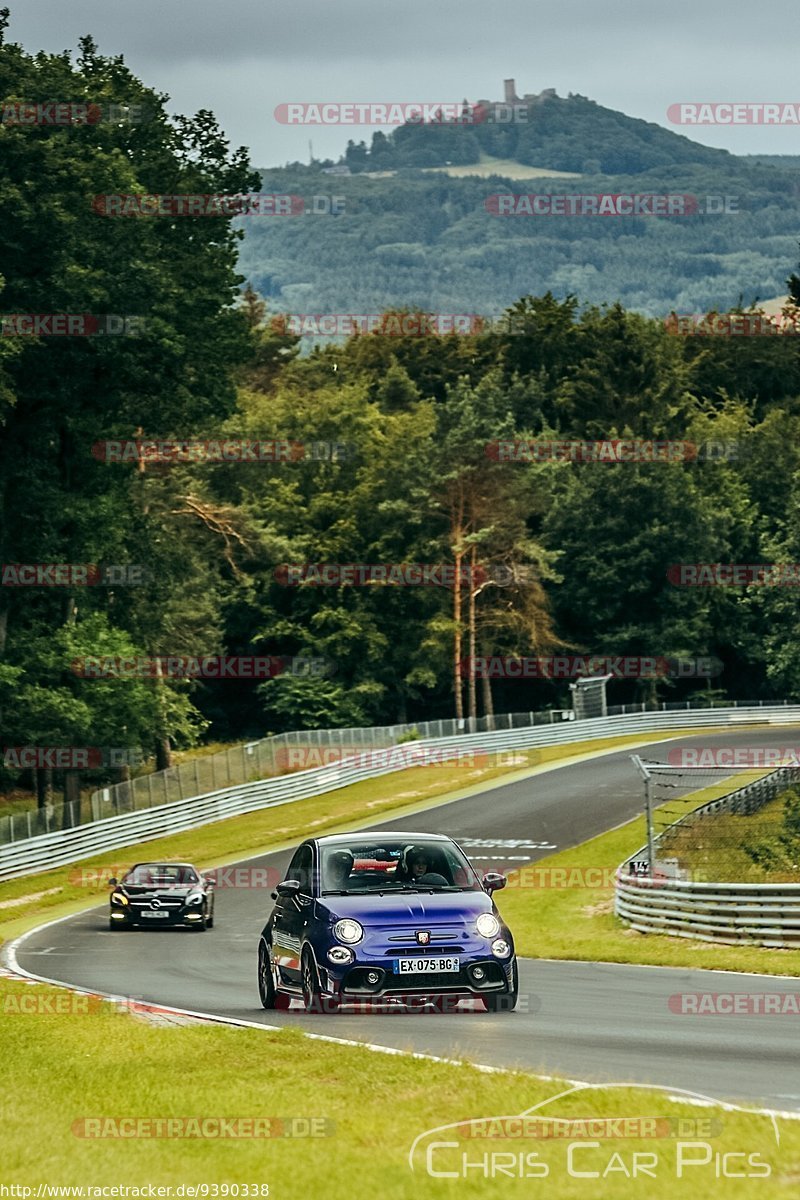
(291,916)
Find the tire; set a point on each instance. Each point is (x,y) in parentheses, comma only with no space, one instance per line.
(504,1001)
(210,921)
(202,925)
(266,981)
(313,999)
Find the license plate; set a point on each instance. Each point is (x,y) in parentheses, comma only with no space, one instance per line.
(425,966)
(153,915)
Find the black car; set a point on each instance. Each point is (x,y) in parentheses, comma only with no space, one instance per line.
(162,894)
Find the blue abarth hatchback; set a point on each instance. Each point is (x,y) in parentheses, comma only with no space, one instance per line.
(385,916)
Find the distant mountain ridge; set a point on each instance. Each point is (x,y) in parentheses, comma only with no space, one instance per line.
(410,234)
(572,134)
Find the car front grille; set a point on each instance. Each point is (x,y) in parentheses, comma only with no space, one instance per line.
(410,939)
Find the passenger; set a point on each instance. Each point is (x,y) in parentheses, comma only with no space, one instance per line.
(338,867)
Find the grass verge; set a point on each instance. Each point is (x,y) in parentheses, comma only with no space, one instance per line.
(555,911)
(64,1069)
(54,894)
(67,1060)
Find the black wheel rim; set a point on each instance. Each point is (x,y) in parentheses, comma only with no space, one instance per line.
(263,972)
(308,982)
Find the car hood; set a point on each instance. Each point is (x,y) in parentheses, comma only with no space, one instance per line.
(159,890)
(442,908)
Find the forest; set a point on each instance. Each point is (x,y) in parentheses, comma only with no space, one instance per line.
(376,449)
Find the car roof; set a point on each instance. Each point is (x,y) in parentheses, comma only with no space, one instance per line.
(332,839)
(160,862)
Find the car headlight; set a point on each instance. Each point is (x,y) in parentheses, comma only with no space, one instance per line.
(348,931)
(195,898)
(119,898)
(488,925)
(501,949)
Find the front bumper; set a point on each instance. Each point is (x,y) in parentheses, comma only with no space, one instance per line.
(182,916)
(368,977)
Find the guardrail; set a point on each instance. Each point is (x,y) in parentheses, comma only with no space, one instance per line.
(754,914)
(127,829)
(278,755)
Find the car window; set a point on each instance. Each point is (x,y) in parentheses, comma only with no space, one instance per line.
(160,875)
(300,868)
(360,865)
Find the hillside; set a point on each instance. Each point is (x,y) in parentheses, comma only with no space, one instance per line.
(418,227)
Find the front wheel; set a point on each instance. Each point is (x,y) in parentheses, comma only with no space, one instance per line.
(202,925)
(266,981)
(313,998)
(504,1001)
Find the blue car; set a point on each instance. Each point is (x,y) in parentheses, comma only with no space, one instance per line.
(385,916)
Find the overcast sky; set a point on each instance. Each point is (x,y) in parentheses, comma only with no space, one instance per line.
(241,58)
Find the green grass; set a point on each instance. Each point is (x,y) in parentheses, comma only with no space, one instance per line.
(578,922)
(273,828)
(63,1069)
(715,847)
(507,168)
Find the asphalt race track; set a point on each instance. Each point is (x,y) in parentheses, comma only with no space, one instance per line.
(578,1020)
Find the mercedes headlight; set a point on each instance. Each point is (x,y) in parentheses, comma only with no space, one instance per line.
(119,898)
(195,898)
(488,925)
(348,931)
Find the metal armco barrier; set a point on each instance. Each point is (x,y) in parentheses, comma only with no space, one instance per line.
(754,914)
(71,845)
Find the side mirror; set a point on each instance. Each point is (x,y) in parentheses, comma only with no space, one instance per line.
(112,882)
(493,881)
(211,880)
(289,887)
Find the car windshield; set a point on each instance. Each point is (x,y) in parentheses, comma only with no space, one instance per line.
(160,875)
(394,864)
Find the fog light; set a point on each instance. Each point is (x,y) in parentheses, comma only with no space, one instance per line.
(340,954)
(372,977)
(478,973)
(193,916)
(501,949)
(118,916)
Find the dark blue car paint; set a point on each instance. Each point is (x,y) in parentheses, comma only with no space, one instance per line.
(302,925)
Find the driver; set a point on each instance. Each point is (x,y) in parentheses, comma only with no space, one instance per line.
(338,869)
(414,864)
